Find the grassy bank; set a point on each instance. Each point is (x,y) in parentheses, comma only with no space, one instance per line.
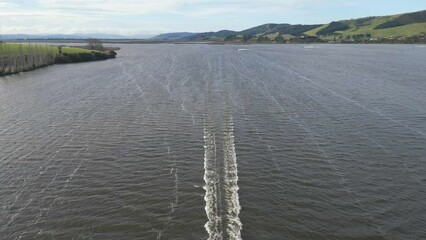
(15,58)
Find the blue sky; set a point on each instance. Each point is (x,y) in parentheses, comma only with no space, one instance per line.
(145,17)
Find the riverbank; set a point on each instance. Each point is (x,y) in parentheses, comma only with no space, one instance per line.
(15,58)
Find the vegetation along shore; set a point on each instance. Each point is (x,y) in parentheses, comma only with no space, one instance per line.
(16,57)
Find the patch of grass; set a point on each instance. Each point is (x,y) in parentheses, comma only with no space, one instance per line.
(333,27)
(366,28)
(314,31)
(75,50)
(408,30)
(272,36)
(8,49)
(401,31)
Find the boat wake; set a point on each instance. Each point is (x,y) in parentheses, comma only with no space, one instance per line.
(221,182)
(232,203)
(214,225)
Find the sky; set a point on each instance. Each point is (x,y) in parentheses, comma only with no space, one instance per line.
(150,17)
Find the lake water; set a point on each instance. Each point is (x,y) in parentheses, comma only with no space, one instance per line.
(218,142)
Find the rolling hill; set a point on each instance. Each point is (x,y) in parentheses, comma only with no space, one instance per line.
(400,28)
(407,27)
(396,26)
(268,32)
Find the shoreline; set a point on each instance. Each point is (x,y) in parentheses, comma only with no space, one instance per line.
(28,61)
(218,42)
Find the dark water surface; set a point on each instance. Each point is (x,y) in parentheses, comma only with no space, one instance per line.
(218,142)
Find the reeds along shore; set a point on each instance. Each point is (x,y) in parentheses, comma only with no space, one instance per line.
(19,58)
(15,58)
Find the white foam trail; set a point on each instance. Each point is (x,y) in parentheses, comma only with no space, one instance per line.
(174,204)
(168,88)
(233,208)
(213,226)
(186,110)
(72,175)
(132,79)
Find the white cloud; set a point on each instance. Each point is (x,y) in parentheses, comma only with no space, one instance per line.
(128,16)
(4,6)
(149,16)
(133,7)
(143,7)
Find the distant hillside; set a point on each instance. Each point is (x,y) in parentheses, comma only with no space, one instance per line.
(173,36)
(268,32)
(210,35)
(279,28)
(408,27)
(400,26)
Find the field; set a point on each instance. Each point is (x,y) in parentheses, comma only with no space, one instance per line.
(407,31)
(8,49)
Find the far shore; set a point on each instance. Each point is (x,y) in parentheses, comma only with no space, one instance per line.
(216,42)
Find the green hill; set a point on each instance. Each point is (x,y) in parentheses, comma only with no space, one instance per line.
(408,27)
(396,26)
